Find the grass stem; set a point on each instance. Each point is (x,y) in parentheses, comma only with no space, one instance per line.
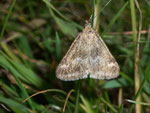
(77,97)
(137,55)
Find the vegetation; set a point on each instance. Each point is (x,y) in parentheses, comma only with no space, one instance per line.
(36,34)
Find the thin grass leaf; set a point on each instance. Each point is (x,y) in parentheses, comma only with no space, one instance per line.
(58,46)
(10,90)
(45,110)
(145,56)
(98,104)
(126,51)
(49,5)
(15,106)
(9,52)
(25,74)
(109,105)
(6,20)
(141,87)
(86,105)
(66,27)
(127,77)
(115,18)
(24,46)
(93,14)
(23,91)
(45,91)
(5,64)
(77,96)
(120,109)
(136,102)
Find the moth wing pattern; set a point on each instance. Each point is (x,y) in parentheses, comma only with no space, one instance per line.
(88,55)
(102,64)
(72,66)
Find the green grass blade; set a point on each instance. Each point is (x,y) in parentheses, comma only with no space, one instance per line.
(22,72)
(9,52)
(140,89)
(121,109)
(127,77)
(93,14)
(136,102)
(5,23)
(22,88)
(58,46)
(77,97)
(61,15)
(109,105)
(115,18)
(17,107)
(86,106)
(98,103)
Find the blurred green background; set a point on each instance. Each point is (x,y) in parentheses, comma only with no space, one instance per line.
(36,34)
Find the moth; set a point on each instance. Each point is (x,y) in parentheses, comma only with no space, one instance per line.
(88,56)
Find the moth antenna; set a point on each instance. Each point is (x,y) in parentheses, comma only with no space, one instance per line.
(100,11)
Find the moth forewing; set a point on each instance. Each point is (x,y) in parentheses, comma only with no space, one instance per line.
(72,66)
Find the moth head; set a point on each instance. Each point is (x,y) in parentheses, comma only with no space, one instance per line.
(88,28)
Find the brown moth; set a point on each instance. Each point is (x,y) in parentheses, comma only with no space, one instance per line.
(88,55)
